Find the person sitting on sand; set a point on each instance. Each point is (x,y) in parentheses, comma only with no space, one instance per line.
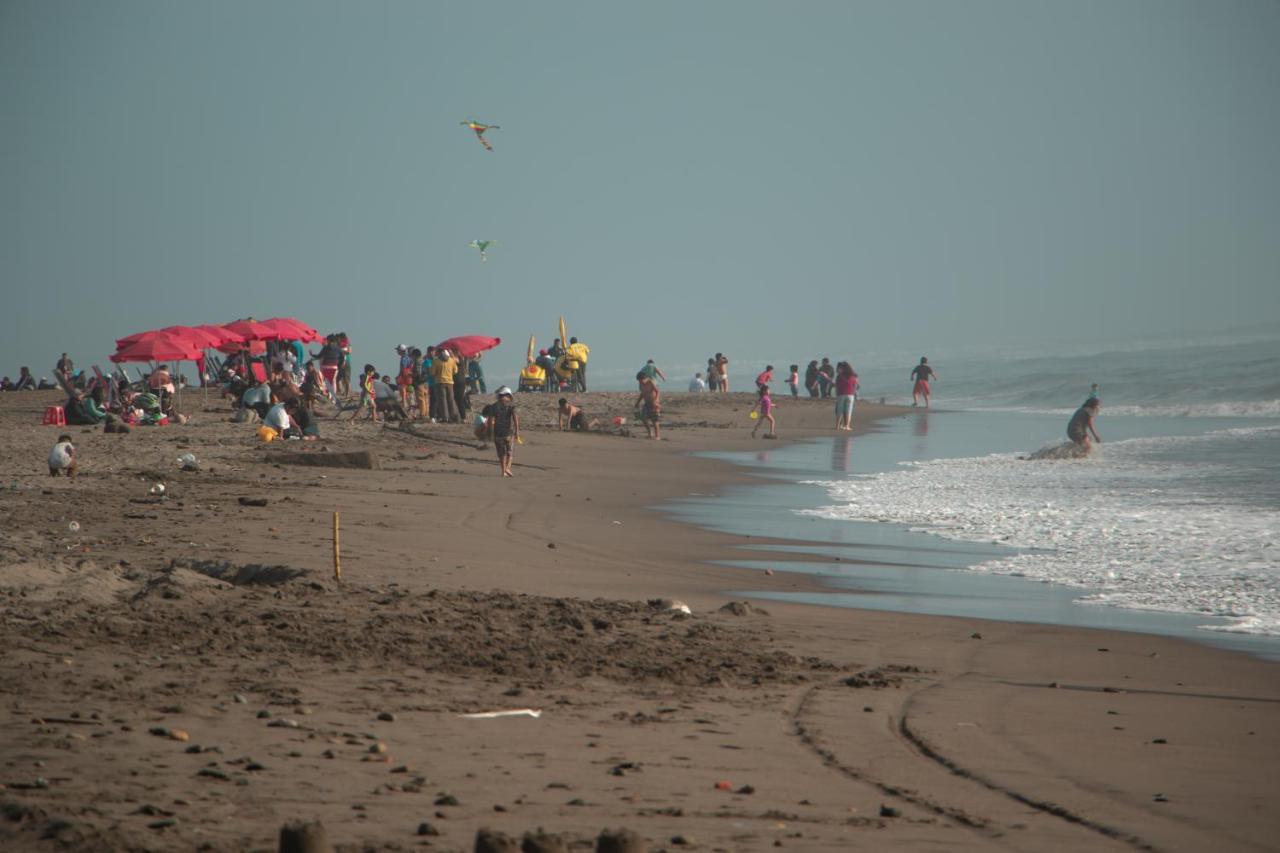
(258,398)
(764,405)
(697,384)
(1081,423)
(62,458)
(304,423)
(278,419)
(386,399)
(649,406)
(573,418)
(504,429)
(26,382)
(921,374)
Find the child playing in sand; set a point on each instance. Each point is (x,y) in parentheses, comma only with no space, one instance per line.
(62,459)
(794,380)
(764,405)
(504,428)
(649,406)
(572,417)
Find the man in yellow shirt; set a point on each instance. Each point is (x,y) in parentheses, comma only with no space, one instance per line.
(443,371)
(576,360)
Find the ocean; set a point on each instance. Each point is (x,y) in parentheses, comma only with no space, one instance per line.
(1171,526)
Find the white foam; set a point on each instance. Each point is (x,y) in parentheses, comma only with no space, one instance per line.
(1134,530)
(1226,409)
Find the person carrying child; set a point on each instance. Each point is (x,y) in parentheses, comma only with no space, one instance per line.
(764,405)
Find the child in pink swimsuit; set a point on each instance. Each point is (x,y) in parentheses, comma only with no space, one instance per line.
(765,406)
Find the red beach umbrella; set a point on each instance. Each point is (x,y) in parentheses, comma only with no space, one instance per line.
(252,330)
(158,346)
(222,333)
(469,346)
(294,330)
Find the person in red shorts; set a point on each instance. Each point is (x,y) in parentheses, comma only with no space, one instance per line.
(921,373)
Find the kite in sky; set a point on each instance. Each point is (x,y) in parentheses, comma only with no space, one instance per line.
(482,245)
(480,129)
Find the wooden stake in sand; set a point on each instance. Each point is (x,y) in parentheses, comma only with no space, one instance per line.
(337,552)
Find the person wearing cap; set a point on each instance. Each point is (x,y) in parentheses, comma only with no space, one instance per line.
(444,369)
(504,428)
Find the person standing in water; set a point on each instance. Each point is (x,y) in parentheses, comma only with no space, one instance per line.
(921,374)
(1081,424)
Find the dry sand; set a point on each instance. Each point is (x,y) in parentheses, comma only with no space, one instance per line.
(186,674)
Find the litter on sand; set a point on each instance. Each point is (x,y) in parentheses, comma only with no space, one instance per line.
(517,712)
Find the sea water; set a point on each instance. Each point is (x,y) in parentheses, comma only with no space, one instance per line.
(1176,513)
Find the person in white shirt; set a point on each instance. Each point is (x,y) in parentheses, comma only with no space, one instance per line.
(697,384)
(278,419)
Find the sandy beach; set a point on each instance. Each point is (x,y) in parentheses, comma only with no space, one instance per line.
(184,672)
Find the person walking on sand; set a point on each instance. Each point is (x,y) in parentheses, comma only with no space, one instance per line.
(62,458)
(922,373)
(846,395)
(368,395)
(504,429)
(649,404)
(1081,424)
(793,380)
(764,406)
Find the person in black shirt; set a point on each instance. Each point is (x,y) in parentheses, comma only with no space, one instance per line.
(504,429)
(921,373)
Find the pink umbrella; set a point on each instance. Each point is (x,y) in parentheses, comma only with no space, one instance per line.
(252,330)
(469,346)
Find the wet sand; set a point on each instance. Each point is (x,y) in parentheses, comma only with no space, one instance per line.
(304,698)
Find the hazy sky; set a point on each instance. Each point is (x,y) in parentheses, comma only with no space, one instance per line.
(773,180)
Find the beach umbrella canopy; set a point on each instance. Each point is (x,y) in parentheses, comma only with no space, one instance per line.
(294,330)
(185,333)
(469,346)
(252,330)
(158,347)
(221,333)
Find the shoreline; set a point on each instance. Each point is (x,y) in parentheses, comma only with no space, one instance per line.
(967,738)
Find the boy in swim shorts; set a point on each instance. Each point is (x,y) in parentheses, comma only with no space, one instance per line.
(921,373)
(649,406)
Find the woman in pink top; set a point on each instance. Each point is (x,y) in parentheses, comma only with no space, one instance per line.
(765,406)
(846,393)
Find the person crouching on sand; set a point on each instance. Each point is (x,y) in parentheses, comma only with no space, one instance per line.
(504,429)
(62,458)
(573,418)
(1081,424)
(764,405)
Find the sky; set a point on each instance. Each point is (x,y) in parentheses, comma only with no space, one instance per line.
(776,181)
